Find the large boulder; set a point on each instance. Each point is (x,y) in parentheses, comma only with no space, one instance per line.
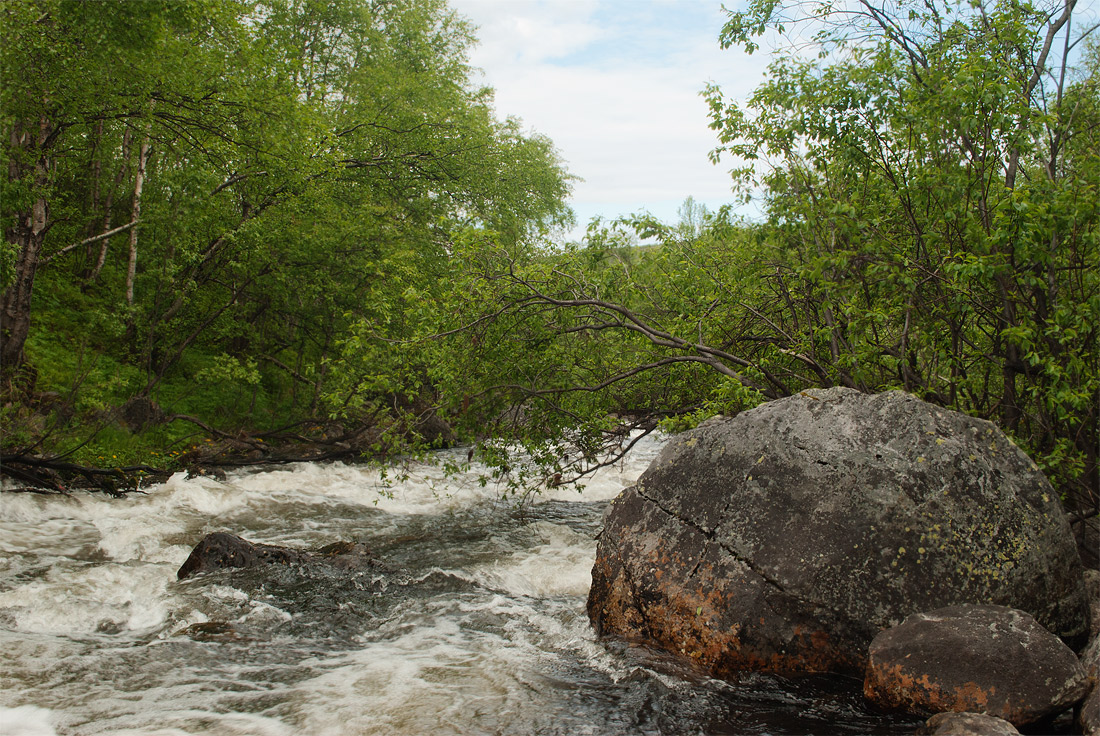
(785,538)
(976,658)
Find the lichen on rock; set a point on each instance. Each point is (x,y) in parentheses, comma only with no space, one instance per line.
(785,538)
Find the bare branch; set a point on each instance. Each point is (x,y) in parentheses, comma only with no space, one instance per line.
(93,239)
(234,179)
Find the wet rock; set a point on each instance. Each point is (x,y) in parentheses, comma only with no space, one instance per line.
(1088,714)
(966,724)
(1088,717)
(222,551)
(213,631)
(977,658)
(786,537)
(203,471)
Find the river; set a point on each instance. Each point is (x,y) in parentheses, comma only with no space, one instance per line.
(481,631)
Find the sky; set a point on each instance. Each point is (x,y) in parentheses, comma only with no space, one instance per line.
(615,84)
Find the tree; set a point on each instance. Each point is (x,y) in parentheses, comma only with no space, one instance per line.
(565,351)
(287,173)
(923,187)
(78,77)
(929,185)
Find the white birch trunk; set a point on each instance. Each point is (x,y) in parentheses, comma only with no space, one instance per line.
(135,214)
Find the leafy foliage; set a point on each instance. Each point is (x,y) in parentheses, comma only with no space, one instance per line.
(929,180)
(211,198)
(290,214)
(927,188)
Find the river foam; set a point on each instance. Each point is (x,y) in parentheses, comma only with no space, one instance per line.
(480,628)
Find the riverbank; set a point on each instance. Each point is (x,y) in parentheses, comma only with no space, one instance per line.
(137,444)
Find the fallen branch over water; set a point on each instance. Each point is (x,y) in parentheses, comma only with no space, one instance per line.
(50,474)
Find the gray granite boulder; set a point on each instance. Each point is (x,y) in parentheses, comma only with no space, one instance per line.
(785,538)
(975,658)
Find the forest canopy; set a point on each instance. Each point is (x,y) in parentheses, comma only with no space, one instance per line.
(300,220)
(202,197)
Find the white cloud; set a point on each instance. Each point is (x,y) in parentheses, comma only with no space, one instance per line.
(616,86)
(528,32)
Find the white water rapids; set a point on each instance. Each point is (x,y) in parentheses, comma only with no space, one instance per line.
(483,631)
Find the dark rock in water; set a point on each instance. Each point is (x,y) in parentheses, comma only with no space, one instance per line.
(213,631)
(982,659)
(966,724)
(221,551)
(785,538)
(201,471)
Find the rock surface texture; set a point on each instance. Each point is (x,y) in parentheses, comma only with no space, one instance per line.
(787,537)
(1092,592)
(966,724)
(976,658)
(1088,714)
(223,551)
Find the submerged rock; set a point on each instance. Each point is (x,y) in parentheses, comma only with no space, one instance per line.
(221,551)
(981,659)
(787,537)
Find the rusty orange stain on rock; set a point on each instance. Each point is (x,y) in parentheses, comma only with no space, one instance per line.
(684,622)
(893,687)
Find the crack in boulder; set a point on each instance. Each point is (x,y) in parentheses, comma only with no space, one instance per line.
(711,537)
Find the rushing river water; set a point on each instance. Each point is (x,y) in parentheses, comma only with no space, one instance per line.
(482,631)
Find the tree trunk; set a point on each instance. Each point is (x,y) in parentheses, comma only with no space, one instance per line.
(27,235)
(119,177)
(93,196)
(135,214)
